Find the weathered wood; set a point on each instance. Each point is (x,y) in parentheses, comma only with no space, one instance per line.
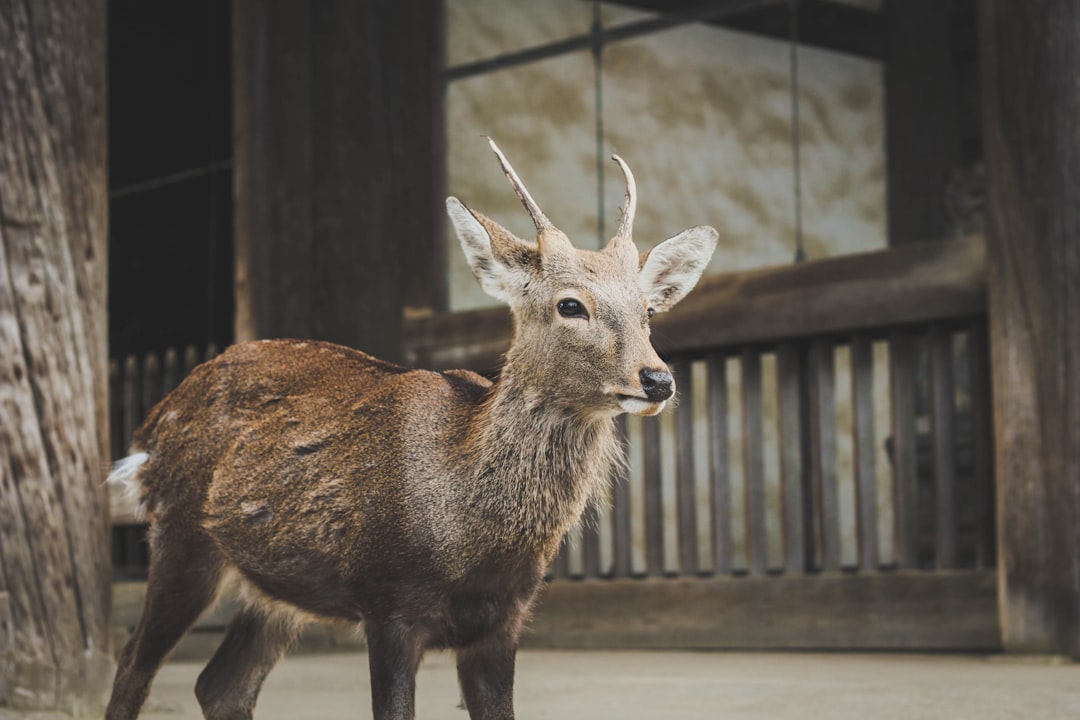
(902,285)
(753,418)
(982,444)
(902,362)
(7,648)
(590,543)
(1031,114)
(54,562)
(862,396)
(654,500)
(943,439)
(879,611)
(789,371)
(334,167)
(686,493)
(922,139)
(719,477)
(823,454)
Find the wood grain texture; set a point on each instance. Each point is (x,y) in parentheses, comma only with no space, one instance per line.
(792,466)
(862,395)
(753,417)
(823,454)
(1031,111)
(943,435)
(334,108)
(685,491)
(54,561)
(902,611)
(902,368)
(719,475)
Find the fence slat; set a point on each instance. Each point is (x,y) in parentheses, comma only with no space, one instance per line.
(823,452)
(862,394)
(903,359)
(590,542)
(620,511)
(719,478)
(150,391)
(686,506)
(654,501)
(130,395)
(560,566)
(789,395)
(754,463)
(170,374)
(943,433)
(191,359)
(116,412)
(982,445)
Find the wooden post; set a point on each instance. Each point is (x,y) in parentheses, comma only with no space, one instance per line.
(337,119)
(1031,115)
(54,560)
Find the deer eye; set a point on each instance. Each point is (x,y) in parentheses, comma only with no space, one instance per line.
(571,308)
(651,312)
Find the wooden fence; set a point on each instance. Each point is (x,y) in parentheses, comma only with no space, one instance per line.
(825,479)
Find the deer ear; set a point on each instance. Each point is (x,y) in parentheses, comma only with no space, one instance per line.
(498,259)
(672,268)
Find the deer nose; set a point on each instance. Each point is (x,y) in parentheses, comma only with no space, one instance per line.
(658,385)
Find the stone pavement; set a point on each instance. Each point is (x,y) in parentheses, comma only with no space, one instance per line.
(678,686)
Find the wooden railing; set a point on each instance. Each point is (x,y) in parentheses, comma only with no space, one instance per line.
(833,424)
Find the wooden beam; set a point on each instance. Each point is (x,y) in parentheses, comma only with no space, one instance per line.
(1032,130)
(821,24)
(866,291)
(902,611)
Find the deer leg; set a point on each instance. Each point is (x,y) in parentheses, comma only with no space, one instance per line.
(394,654)
(254,642)
(486,676)
(183,581)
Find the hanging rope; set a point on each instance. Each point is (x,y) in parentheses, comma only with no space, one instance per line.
(793,28)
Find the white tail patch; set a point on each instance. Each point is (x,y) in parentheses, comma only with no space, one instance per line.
(125,474)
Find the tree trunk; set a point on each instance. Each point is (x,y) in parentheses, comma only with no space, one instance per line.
(54,562)
(1031,111)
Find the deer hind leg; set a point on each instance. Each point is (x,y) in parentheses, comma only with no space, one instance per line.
(254,642)
(185,573)
(394,653)
(486,676)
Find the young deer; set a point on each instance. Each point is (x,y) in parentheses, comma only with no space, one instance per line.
(426,505)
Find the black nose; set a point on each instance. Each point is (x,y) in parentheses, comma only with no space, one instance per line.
(657,384)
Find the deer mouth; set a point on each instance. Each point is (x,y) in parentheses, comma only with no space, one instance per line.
(639,405)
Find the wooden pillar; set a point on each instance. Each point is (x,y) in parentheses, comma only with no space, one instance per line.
(932,134)
(1031,114)
(338,116)
(54,560)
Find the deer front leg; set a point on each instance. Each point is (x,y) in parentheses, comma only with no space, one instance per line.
(486,675)
(394,654)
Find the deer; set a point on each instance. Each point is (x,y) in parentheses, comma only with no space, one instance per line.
(422,506)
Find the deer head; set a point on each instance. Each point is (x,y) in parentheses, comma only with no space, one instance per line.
(581,317)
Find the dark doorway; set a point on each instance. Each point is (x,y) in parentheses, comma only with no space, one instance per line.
(170,175)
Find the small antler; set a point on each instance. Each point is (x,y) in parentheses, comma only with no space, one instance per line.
(538,217)
(626,221)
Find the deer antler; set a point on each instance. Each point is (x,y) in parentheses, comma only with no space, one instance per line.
(538,217)
(626,222)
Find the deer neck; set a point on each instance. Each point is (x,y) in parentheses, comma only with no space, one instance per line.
(536,465)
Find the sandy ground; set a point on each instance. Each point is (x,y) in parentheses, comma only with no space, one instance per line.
(677,686)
